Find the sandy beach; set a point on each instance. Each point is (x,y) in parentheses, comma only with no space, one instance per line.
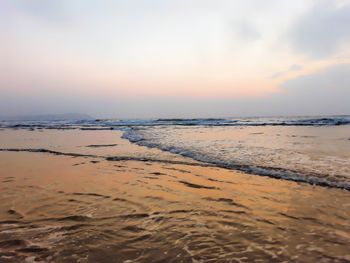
(75,203)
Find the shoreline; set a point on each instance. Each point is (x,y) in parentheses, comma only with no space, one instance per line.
(59,208)
(199,163)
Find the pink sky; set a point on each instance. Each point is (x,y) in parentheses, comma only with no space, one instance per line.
(193,51)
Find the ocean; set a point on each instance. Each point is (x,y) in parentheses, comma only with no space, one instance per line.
(175,190)
(314,150)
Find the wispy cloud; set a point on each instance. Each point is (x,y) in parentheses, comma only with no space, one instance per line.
(292,68)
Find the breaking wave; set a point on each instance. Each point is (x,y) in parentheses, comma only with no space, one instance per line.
(138,137)
(119,123)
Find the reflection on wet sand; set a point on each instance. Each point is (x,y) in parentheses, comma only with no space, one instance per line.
(58,208)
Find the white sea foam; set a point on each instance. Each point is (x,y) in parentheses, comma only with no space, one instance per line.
(256,121)
(275,152)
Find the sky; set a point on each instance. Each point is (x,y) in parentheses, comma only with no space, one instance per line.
(183,58)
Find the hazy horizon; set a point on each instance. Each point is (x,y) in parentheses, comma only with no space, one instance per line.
(183,59)
(82,116)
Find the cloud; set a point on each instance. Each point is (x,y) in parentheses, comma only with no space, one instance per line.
(246,31)
(324,92)
(292,68)
(44,11)
(334,78)
(295,67)
(322,30)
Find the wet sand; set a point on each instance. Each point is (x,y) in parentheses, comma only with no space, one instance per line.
(155,206)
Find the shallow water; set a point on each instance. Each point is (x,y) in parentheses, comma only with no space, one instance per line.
(114,212)
(315,150)
(57,208)
(314,154)
(105,143)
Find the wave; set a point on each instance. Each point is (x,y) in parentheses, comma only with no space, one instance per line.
(289,121)
(260,121)
(280,173)
(119,124)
